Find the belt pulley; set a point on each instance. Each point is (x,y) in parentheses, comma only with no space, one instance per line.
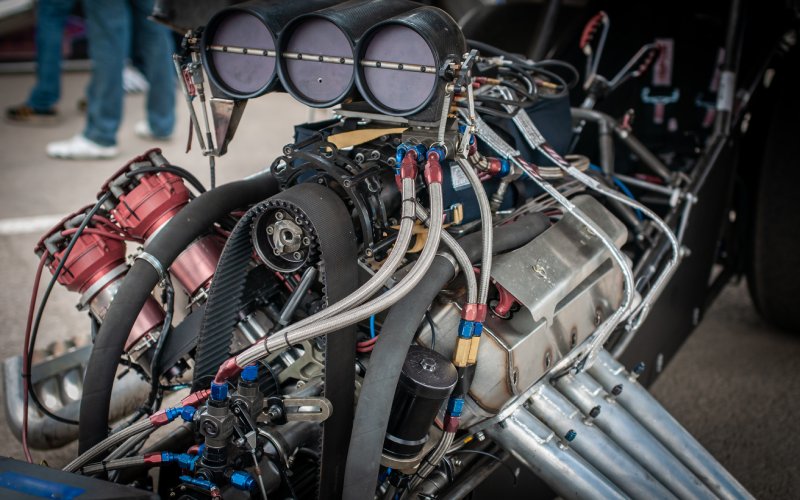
(325,222)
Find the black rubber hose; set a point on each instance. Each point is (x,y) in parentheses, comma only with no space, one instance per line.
(378,388)
(188,224)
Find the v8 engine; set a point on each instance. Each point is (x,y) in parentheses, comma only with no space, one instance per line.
(411,291)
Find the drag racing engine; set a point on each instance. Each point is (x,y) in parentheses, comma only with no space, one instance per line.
(411,291)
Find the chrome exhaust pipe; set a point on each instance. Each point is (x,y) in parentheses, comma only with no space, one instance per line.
(538,447)
(45,433)
(593,445)
(648,411)
(619,425)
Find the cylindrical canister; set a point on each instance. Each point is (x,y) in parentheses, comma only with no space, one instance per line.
(400,61)
(317,50)
(426,381)
(239,44)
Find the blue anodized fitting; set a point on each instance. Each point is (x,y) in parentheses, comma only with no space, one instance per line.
(242,480)
(438,150)
(219,392)
(466,328)
(200,483)
(250,373)
(187,413)
(455,406)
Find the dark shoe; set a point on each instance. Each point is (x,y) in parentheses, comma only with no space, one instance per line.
(26,114)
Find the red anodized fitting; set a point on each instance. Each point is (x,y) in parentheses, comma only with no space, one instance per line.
(495,166)
(227,370)
(196,398)
(450,423)
(152,458)
(433,169)
(474,312)
(504,302)
(408,167)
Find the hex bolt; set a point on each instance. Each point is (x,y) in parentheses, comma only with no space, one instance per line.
(480,436)
(570,435)
(593,413)
(637,370)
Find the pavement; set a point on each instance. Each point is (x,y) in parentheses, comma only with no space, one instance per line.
(734,384)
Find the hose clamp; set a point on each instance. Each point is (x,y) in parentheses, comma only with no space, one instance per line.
(156,264)
(452,260)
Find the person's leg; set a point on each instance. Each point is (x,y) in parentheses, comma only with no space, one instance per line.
(51,20)
(152,49)
(108,25)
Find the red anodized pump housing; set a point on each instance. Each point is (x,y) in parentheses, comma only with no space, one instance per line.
(148,206)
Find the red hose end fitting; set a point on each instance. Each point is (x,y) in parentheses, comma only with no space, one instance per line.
(433,170)
(451,423)
(228,370)
(474,312)
(495,166)
(159,419)
(408,167)
(504,302)
(152,458)
(196,398)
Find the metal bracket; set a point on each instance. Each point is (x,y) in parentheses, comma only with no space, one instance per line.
(283,410)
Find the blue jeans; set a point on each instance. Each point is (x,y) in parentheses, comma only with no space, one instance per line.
(117,28)
(51,19)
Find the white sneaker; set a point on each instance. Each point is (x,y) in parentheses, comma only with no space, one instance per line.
(142,130)
(80,148)
(133,81)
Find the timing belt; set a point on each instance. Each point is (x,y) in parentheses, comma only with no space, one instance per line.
(325,216)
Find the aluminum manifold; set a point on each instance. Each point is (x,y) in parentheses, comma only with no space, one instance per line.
(592,434)
(564,283)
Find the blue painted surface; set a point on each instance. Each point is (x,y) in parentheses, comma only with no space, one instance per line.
(38,487)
